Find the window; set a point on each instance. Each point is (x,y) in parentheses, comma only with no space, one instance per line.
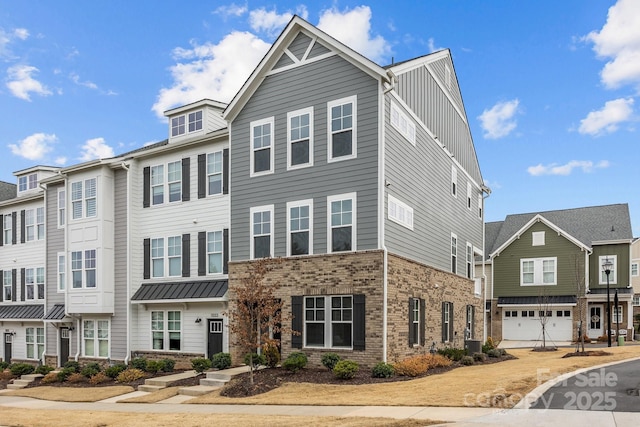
(28,182)
(29,221)
(342,227)
(214,252)
(636,298)
(40,223)
(62,203)
(400,212)
(178,126)
(469,260)
(195,121)
(83,269)
(510,313)
(61,272)
(328,321)
(538,271)
(214,173)
(537,238)
(299,223)
(34,338)
(416,321)
(563,313)
(7,285)
(166,335)
(84,204)
(172,254)
(454,253)
(261,245)
(403,124)
(470,326)
(261,160)
(528,313)
(7,229)
(157,257)
(480,200)
(157,184)
(300,138)
(34,283)
(447,321)
(95,334)
(612,273)
(634,269)
(469,195)
(617,316)
(342,128)
(454,181)
(174,181)
(545,313)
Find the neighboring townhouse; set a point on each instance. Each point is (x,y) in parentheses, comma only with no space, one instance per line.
(484,273)
(365,182)
(635,279)
(547,269)
(22,266)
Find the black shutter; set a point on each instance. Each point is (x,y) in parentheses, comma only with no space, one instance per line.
(202,176)
(186,254)
(186,183)
(14,285)
(422,322)
(472,322)
(22,284)
(411,326)
(14,228)
(1,287)
(146,259)
(225,171)
(23,227)
(146,187)
(451,321)
(1,231)
(444,325)
(359,331)
(296,321)
(202,253)
(225,251)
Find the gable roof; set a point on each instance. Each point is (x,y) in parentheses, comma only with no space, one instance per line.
(7,190)
(296,26)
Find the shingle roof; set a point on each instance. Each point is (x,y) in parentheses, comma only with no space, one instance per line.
(556,299)
(55,313)
(181,290)
(22,312)
(7,191)
(588,225)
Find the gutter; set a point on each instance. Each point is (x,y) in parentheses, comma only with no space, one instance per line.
(128,354)
(487,191)
(381,193)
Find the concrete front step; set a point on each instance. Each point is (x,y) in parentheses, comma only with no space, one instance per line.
(197,390)
(24,381)
(154,384)
(150,388)
(212,382)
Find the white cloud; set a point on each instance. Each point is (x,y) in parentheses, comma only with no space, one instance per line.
(353,28)
(21,33)
(76,79)
(619,41)
(231,10)
(8,38)
(60,161)
(607,119)
(586,166)
(95,148)
(21,83)
(34,147)
(217,71)
(431,43)
(268,21)
(499,120)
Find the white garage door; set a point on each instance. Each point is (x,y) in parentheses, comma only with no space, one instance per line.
(523,324)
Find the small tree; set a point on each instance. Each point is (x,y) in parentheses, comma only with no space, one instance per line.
(544,312)
(578,263)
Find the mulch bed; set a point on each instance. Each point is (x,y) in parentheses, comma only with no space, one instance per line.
(587,353)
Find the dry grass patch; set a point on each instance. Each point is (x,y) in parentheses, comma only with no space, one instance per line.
(154,397)
(71,394)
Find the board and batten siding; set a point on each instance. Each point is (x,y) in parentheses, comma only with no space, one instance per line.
(506,266)
(119,331)
(420,176)
(311,85)
(54,245)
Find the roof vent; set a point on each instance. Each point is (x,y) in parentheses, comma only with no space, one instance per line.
(612,229)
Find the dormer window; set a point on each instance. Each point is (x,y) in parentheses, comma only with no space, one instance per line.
(28,182)
(186,123)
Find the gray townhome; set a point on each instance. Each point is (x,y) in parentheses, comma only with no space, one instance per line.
(365,182)
(547,267)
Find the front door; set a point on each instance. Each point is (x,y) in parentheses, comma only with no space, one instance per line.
(214,341)
(64,346)
(595,321)
(8,339)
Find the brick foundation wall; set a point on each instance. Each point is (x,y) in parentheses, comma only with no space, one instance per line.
(183,360)
(496,322)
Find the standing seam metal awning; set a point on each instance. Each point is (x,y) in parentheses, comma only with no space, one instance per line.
(55,313)
(22,312)
(209,289)
(554,300)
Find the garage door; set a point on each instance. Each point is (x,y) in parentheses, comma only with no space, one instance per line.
(524,324)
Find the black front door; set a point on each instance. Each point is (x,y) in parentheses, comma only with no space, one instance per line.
(8,339)
(64,346)
(214,341)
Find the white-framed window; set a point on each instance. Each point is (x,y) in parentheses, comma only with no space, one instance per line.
(7,285)
(613,274)
(470,327)
(7,229)
(83,269)
(166,330)
(510,313)
(157,257)
(174,254)
(636,300)
(342,222)
(261,245)
(215,248)
(454,181)
(480,203)
(634,269)
(62,207)
(84,203)
(538,238)
(300,227)
(262,148)
(30,225)
(173,183)
(328,321)
(447,321)
(157,184)
(403,124)
(40,223)
(469,260)
(95,334)
(195,121)
(342,132)
(191,122)
(166,261)
(617,315)
(61,272)
(34,283)
(414,331)
(34,338)
(538,271)
(400,212)
(214,173)
(300,138)
(469,195)
(27,182)
(178,125)
(454,253)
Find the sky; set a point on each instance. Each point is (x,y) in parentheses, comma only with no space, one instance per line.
(551,88)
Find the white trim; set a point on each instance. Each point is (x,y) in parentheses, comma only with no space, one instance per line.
(469,201)
(166,340)
(207,174)
(402,123)
(469,261)
(327,322)
(353,100)
(399,212)
(613,274)
(267,121)
(253,210)
(354,203)
(453,266)
(304,111)
(538,271)
(454,181)
(166,259)
(63,217)
(300,203)
(538,238)
(58,272)
(95,338)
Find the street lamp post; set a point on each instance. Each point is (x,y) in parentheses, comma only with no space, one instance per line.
(606,267)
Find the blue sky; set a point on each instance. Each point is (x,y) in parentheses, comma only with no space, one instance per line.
(551,88)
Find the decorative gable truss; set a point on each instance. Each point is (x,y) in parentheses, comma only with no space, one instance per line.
(303,50)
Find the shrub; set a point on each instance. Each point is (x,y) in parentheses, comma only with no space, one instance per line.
(129,375)
(43,369)
(295,361)
(18,369)
(114,371)
(255,358)
(221,360)
(3,365)
(5,375)
(91,369)
(64,373)
(139,363)
(167,365)
(200,364)
(76,377)
(329,360)
(479,357)
(466,360)
(454,354)
(51,377)
(382,370)
(418,365)
(346,369)
(494,352)
(271,354)
(153,366)
(73,365)
(99,378)
(488,345)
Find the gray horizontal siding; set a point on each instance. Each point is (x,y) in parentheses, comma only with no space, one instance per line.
(54,244)
(119,330)
(299,45)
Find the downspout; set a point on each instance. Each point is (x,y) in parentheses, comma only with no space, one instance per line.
(382,188)
(486,190)
(44,199)
(128,351)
